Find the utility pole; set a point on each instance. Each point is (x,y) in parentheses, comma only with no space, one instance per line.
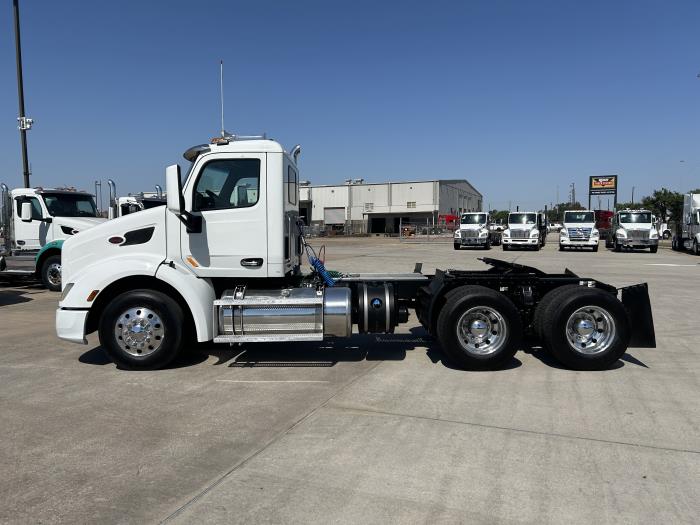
(632,195)
(24,122)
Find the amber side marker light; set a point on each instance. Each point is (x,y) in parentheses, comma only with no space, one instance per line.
(92,295)
(191,260)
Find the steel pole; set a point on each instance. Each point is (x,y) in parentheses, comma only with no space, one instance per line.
(20,92)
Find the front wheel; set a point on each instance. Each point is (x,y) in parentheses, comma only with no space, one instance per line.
(487,246)
(696,248)
(595,248)
(51,273)
(653,249)
(142,329)
(479,328)
(506,247)
(456,245)
(618,246)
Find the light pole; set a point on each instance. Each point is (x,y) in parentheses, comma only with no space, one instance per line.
(633,195)
(24,122)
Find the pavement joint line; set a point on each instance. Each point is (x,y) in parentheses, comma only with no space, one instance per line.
(262,449)
(266,381)
(511,429)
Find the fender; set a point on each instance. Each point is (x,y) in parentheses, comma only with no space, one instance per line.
(49,246)
(198,293)
(98,277)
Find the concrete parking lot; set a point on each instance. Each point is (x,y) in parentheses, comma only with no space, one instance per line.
(374,429)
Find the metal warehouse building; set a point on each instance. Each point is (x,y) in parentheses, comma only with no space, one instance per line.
(360,207)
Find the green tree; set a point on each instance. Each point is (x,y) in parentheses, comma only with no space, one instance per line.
(665,204)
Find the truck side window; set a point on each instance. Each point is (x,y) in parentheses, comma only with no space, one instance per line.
(36,207)
(226,184)
(292,190)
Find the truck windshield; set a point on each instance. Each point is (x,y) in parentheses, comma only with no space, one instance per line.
(637,217)
(579,216)
(522,218)
(473,218)
(70,204)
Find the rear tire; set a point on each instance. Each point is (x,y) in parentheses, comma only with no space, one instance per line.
(479,328)
(142,330)
(584,328)
(51,273)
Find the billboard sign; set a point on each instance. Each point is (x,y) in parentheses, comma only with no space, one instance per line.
(603,185)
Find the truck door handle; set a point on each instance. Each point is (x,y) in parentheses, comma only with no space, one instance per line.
(252,263)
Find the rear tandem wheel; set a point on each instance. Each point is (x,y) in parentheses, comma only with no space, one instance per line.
(479,328)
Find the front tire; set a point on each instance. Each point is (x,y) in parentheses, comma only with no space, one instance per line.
(479,328)
(51,273)
(142,330)
(696,248)
(653,249)
(583,328)
(506,247)
(595,248)
(618,246)
(456,245)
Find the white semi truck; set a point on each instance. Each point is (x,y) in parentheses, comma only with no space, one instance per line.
(34,224)
(474,231)
(525,229)
(635,229)
(579,230)
(688,235)
(222,262)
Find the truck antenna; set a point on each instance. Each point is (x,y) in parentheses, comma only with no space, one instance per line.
(221,93)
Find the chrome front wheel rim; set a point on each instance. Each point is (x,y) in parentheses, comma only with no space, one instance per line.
(53,274)
(139,331)
(590,330)
(481,330)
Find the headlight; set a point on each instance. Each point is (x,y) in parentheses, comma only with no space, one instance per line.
(484,234)
(654,234)
(535,234)
(595,233)
(563,233)
(457,234)
(506,233)
(621,233)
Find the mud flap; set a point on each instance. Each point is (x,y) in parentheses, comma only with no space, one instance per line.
(636,301)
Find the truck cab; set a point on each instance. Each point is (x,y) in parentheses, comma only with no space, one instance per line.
(36,222)
(579,230)
(526,229)
(473,230)
(688,235)
(635,229)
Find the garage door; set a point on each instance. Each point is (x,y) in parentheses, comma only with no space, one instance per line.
(333,215)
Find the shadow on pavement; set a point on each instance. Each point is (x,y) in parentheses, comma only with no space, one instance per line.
(361,347)
(10,297)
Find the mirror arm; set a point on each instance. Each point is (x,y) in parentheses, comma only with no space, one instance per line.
(193,223)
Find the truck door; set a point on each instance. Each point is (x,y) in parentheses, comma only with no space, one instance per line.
(229,194)
(29,235)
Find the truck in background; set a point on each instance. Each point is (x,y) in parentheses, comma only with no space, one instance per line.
(687,236)
(635,229)
(121,206)
(603,223)
(34,223)
(474,230)
(579,230)
(526,229)
(222,262)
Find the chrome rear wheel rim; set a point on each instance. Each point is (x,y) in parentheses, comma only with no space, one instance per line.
(590,330)
(481,331)
(53,274)
(139,331)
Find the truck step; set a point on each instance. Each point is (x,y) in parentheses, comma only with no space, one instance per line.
(267,338)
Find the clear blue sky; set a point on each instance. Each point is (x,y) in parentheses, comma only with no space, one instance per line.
(517,97)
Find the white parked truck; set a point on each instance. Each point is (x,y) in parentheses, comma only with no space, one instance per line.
(35,222)
(635,229)
(688,235)
(525,229)
(579,230)
(222,262)
(474,231)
